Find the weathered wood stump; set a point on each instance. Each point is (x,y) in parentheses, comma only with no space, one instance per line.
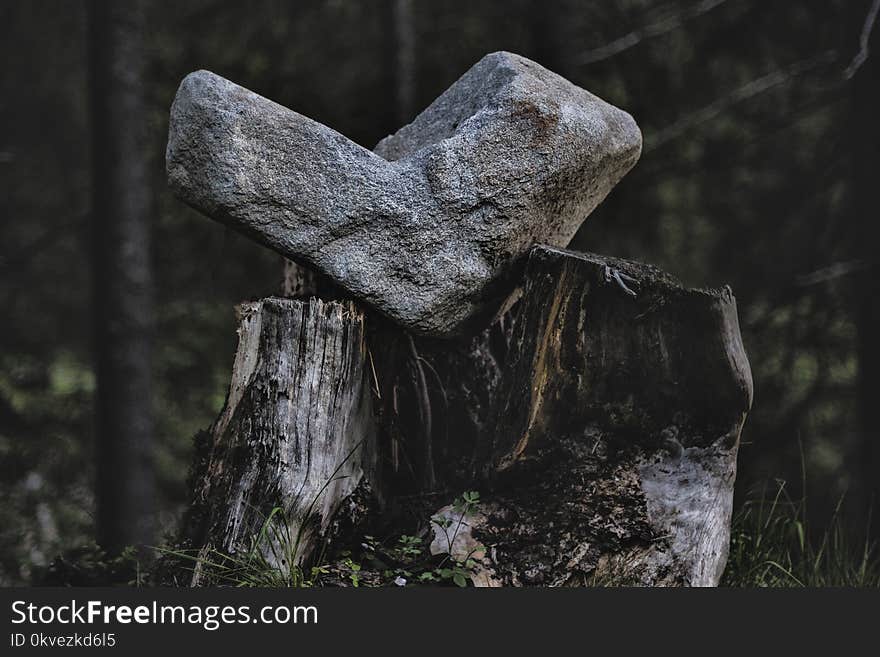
(296,434)
(604,416)
(601,416)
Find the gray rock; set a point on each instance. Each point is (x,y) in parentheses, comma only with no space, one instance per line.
(426,229)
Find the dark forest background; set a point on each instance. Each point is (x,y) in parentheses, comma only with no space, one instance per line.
(760,123)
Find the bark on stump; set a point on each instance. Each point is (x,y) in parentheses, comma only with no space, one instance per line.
(605,417)
(599,416)
(296,433)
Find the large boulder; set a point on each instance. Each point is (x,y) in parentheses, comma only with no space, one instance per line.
(428,228)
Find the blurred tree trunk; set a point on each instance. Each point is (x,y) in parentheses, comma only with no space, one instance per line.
(404,64)
(122,276)
(866,145)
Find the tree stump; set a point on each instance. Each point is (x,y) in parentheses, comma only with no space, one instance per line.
(602,413)
(599,416)
(296,434)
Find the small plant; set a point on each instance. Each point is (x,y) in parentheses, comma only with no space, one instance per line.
(453,568)
(463,506)
(354,570)
(442,521)
(467,502)
(459,572)
(408,547)
(371,544)
(404,560)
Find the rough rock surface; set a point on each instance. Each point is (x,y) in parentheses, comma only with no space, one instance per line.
(426,229)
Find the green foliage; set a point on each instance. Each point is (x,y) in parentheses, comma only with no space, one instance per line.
(773,545)
(272,559)
(354,570)
(467,502)
(404,560)
(454,567)
(45,405)
(463,505)
(91,566)
(408,547)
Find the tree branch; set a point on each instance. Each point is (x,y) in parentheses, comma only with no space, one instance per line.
(739,95)
(864,41)
(831,272)
(658,28)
